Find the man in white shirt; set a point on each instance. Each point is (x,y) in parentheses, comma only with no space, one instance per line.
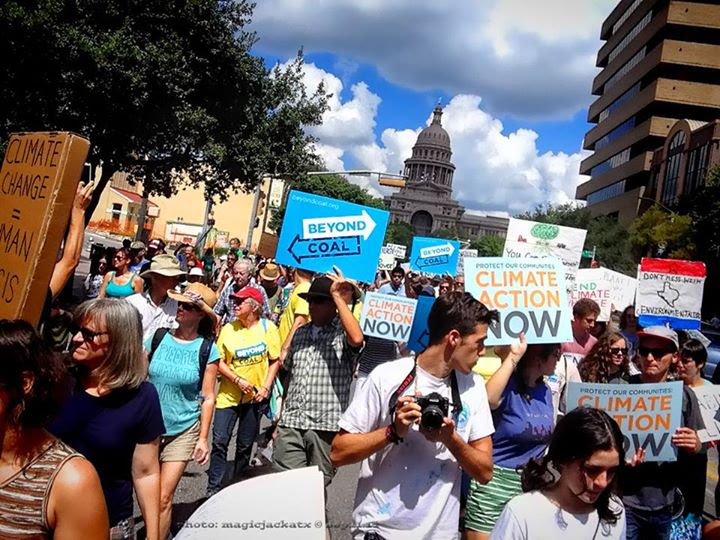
(156,308)
(409,485)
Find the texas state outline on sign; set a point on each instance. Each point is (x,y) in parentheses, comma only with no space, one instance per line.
(319,233)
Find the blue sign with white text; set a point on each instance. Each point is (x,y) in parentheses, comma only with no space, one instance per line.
(434,255)
(319,233)
(419,336)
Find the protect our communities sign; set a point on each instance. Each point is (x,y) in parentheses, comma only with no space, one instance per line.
(529,294)
(648,414)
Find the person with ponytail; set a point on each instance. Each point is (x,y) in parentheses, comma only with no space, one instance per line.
(571,492)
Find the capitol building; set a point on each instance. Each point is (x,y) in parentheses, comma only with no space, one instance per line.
(426,200)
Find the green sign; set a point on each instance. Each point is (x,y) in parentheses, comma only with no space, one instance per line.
(587,253)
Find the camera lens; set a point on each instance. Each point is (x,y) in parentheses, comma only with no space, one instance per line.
(432,417)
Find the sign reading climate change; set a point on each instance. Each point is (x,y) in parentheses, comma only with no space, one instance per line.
(529,294)
(533,239)
(648,414)
(611,290)
(319,233)
(434,255)
(670,292)
(387,316)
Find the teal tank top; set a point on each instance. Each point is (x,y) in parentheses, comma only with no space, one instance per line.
(113,290)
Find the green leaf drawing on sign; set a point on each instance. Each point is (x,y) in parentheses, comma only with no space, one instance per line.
(545,231)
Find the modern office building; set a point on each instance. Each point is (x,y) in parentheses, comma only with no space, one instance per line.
(660,64)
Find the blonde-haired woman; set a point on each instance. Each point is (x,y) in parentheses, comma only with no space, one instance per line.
(249,349)
(113,416)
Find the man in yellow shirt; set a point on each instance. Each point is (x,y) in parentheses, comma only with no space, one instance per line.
(249,349)
(297,312)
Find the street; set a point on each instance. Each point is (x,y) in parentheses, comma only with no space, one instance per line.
(191,490)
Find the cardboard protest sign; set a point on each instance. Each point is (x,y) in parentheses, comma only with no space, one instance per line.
(532,239)
(38,182)
(319,233)
(611,290)
(434,255)
(387,316)
(387,258)
(418,341)
(398,250)
(530,295)
(648,414)
(670,292)
(708,397)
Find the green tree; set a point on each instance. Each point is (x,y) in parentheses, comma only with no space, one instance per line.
(449,234)
(330,185)
(400,233)
(658,233)
(610,239)
(158,88)
(488,245)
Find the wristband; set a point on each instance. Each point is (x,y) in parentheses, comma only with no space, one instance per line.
(391,434)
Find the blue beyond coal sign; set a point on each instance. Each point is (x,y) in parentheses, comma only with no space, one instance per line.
(319,233)
(434,255)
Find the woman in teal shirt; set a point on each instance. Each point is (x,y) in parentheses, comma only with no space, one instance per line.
(121,282)
(183,368)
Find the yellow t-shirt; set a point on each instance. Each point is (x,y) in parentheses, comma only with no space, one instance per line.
(296,306)
(488,364)
(357,310)
(248,352)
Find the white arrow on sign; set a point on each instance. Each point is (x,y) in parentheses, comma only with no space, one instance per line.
(434,251)
(335,227)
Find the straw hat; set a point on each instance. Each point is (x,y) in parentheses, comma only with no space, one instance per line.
(270,272)
(197,294)
(164,265)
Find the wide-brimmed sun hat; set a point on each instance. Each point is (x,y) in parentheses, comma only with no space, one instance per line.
(197,294)
(270,272)
(164,265)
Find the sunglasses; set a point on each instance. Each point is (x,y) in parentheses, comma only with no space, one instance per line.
(86,333)
(657,353)
(619,350)
(187,306)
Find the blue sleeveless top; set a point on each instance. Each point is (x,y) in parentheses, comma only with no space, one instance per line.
(113,290)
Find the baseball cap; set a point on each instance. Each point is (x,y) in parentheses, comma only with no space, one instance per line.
(137,245)
(196,272)
(248,292)
(661,332)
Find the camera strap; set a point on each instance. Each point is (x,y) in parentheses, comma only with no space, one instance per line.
(408,380)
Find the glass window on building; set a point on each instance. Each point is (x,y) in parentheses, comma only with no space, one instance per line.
(697,168)
(608,192)
(116,211)
(672,168)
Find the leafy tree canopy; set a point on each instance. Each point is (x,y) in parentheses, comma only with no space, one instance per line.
(488,245)
(400,233)
(658,233)
(158,88)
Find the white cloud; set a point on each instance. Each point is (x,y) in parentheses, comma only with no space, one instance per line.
(502,50)
(495,171)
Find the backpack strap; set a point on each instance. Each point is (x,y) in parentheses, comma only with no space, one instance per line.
(156,339)
(204,356)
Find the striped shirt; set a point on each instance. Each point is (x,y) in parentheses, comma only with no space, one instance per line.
(24,496)
(225,307)
(321,364)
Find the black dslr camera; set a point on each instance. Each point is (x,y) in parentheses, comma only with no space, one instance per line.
(433,408)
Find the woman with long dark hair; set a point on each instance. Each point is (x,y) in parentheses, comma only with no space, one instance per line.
(522,410)
(571,492)
(41,478)
(607,361)
(94,280)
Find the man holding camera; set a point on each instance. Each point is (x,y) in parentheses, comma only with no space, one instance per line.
(415,424)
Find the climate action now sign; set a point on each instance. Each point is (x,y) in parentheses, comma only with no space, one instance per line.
(648,414)
(387,316)
(529,295)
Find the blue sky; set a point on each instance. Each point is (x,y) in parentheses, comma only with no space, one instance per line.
(514,78)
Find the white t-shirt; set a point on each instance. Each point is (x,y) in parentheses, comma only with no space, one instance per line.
(154,317)
(532,516)
(412,490)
